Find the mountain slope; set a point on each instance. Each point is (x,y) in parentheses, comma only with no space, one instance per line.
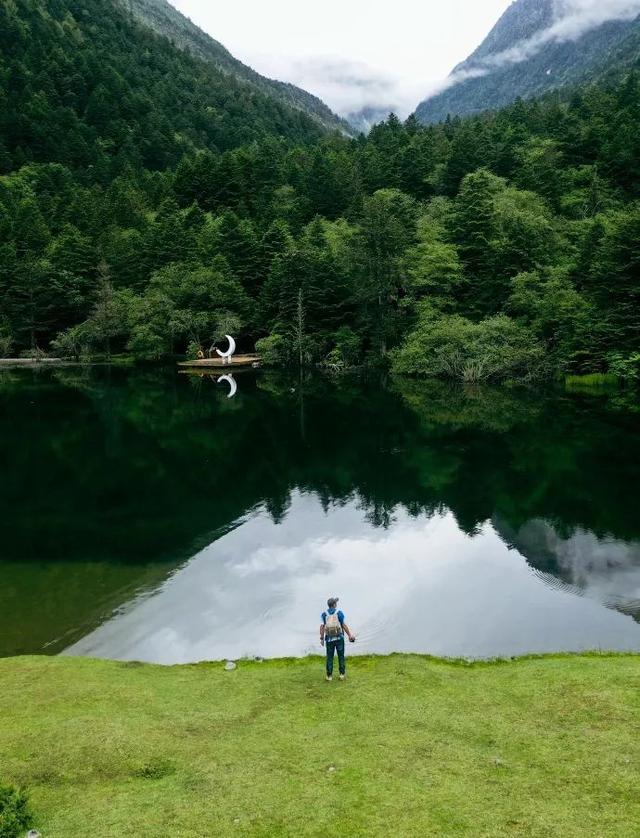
(166,20)
(519,59)
(83,84)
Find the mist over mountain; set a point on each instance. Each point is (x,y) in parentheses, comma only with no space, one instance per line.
(166,20)
(538,46)
(364,119)
(361,94)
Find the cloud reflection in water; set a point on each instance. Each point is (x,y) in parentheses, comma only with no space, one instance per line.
(422,585)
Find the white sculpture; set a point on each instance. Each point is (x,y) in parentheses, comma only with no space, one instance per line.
(228,355)
(233,387)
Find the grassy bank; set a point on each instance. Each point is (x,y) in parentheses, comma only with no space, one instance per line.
(596,380)
(406,746)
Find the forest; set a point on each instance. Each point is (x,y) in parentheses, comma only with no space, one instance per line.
(149,204)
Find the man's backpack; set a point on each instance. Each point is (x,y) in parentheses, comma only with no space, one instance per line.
(332,626)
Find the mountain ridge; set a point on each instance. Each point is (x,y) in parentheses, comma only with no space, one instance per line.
(488,79)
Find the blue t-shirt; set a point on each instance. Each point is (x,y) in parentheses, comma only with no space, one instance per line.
(340,617)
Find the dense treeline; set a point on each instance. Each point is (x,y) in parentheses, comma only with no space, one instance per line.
(145,208)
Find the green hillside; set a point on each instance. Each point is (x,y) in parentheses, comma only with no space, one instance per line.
(83,85)
(161,16)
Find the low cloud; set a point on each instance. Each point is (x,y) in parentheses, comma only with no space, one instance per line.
(348,87)
(573,19)
(455,78)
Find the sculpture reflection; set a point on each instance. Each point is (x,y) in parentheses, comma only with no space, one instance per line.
(230,380)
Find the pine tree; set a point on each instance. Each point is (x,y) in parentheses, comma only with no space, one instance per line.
(30,231)
(475,230)
(389,220)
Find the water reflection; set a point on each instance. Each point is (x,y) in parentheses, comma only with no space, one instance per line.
(420,585)
(146,515)
(603,569)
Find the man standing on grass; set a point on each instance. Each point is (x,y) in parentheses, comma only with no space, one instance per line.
(332,631)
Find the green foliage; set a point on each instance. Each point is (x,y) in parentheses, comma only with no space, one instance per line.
(166,20)
(556,313)
(433,266)
(389,227)
(74,343)
(613,281)
(110,92)
(348,346)
(150,202)
(6,343)
(347,352)
(496,349)
(274,350)
(15,816)
(193,350)
(145,344)
(626,368)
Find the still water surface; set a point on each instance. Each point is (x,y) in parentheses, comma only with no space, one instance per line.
(146,516)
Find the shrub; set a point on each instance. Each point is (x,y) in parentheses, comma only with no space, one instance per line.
(334,361)
(15,817)
(347,352)
(73,343)
(193,349)
(145,345)
(227,323)
(349,345)
(625,367)
(496,349)
(34,354)
(6,344)
(274,350)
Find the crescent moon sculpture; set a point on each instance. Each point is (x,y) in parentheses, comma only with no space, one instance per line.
(233,387)
(228,355)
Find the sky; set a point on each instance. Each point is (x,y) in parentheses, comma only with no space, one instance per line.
(351,53)
(389,54)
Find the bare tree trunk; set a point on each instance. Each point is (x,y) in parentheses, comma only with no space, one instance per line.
(300,328)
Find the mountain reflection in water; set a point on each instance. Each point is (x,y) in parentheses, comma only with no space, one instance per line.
(147,516)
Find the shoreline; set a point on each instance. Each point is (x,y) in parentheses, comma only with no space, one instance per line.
(33,362)
(465,662)
(569,383)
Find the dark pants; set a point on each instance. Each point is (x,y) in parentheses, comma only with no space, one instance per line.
(333,646)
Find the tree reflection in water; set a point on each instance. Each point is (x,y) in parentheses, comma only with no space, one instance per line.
(113,479)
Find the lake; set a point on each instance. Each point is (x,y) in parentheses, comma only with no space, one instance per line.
(145,515)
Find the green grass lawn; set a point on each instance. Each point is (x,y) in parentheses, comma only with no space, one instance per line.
(406,746)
